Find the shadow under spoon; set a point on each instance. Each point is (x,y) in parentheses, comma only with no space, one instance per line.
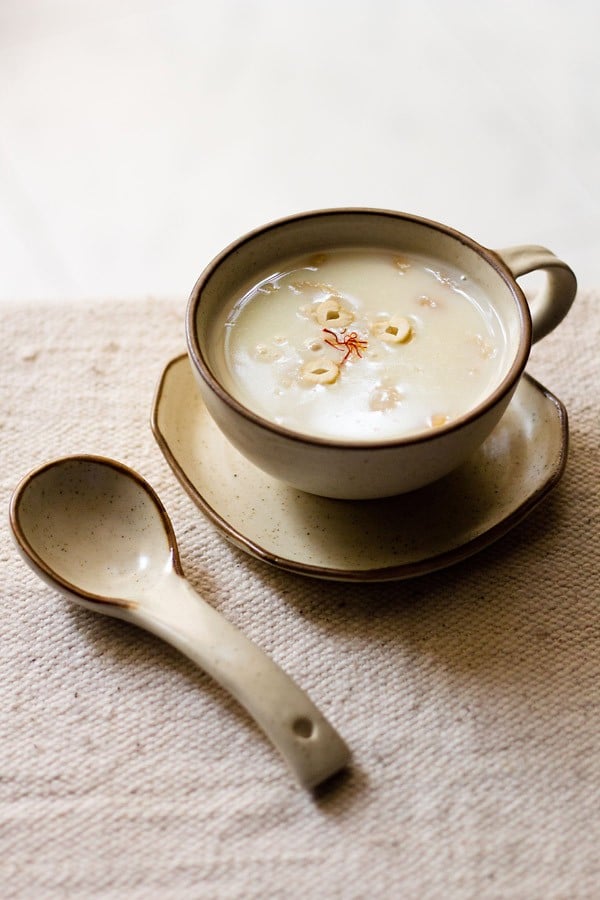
(95,530)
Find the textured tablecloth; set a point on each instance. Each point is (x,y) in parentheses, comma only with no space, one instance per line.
(470,698)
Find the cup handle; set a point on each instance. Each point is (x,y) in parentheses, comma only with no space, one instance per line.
(554,300)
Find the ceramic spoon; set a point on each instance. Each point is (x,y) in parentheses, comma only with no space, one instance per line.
(97,531)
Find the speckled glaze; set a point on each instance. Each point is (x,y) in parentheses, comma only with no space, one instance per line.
(370,540)
(95,530)
(363,470)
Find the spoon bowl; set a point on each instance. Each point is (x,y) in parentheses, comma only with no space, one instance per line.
(94,529)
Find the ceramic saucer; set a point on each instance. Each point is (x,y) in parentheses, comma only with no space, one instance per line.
(364,540)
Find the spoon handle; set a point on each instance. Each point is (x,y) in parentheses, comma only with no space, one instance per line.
(309,744)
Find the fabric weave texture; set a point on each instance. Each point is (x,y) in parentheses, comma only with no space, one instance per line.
(470,698)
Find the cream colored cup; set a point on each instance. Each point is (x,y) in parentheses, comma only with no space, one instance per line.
(353,470)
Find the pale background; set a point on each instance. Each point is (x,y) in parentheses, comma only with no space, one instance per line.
(138,137)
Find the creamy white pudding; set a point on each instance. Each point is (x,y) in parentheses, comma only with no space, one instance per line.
(361,345)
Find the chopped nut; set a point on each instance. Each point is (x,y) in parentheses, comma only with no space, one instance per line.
(401,263)
(331,312)
(298,287)
(396,330)
(321,371)
(428,301)
(267,288)
(437,420)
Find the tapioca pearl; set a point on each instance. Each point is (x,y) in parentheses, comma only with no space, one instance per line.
(267,354)
(485,347)
(384,398)
(286,381)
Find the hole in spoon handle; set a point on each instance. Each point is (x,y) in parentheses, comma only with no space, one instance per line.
(303,727)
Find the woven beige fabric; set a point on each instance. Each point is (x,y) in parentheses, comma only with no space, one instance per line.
(470,698)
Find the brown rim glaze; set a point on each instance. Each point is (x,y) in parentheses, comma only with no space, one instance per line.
(515,371)
(399,572)
(46,571)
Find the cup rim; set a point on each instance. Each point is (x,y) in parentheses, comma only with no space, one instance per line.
(506,385)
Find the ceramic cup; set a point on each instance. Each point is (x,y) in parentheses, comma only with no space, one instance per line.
(348,469)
